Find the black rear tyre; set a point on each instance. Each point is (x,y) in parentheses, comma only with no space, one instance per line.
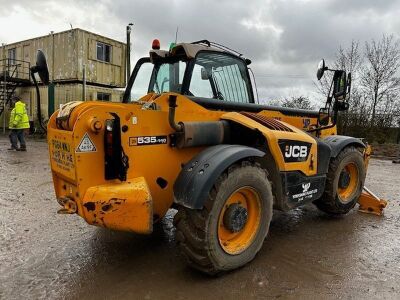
(230,229)
(344,182)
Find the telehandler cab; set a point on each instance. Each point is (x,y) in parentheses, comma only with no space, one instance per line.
(189,135)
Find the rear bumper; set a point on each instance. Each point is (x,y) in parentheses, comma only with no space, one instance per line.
(124,206)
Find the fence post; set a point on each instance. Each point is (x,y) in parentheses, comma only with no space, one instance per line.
(4,100)
(50,106)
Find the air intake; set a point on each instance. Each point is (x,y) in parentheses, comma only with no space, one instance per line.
(267,122)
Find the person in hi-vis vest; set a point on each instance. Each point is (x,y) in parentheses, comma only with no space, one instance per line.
(19,122)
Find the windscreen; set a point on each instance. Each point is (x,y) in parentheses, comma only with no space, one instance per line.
(158,78)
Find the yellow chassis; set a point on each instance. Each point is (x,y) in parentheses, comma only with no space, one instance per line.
(132,205)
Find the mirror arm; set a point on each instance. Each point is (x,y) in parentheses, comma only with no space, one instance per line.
(324,127)
(334,118)
(328,101)
(39,112)
(328,104)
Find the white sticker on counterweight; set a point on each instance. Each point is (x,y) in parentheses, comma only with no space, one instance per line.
(86,144)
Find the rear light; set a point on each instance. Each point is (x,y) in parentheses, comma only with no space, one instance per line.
(116,163)
(109,125)
(109,137)
(109,144)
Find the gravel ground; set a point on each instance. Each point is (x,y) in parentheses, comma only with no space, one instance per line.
(307,255)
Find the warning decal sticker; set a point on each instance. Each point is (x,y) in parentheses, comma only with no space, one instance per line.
(86,144)
(61,154)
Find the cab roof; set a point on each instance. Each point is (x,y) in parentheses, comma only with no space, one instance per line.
(191,50)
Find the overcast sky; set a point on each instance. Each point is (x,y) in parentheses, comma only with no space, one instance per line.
(284,39)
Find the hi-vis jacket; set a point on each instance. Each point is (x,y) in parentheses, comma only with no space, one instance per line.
(19,118)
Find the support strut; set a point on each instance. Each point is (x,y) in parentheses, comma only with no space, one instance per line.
(370,203)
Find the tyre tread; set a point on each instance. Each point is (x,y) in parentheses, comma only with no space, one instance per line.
(191,224)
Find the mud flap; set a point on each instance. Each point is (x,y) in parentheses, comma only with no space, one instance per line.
(370,203)
(124,206)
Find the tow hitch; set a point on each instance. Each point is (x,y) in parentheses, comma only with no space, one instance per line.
(69,206)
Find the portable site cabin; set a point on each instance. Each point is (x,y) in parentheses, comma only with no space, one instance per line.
(73,57)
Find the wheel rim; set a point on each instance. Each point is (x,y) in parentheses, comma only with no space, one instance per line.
(236,237)
(348,183)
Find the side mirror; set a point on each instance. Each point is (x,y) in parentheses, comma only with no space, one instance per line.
(348,83)
(323,117)
(339,84)
(41,67)
(321,69)
(43,71)
(204,74)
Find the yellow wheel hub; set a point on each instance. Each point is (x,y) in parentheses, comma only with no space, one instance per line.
(348,183)
(239,220)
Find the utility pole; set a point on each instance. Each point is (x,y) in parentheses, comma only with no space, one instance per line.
(84,82)
(51,86)
(128,51)
(52,55)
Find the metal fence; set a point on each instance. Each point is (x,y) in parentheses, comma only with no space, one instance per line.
(14,70)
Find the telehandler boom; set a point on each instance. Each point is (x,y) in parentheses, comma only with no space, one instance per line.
(189,135)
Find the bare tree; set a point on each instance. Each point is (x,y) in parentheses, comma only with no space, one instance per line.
(301,102)
(378,75)
(348,59)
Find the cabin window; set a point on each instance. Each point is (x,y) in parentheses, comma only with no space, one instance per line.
(169,77)
(140,86)
(12,56)
(220,76)
(103,52)
(199,85)
(103,96)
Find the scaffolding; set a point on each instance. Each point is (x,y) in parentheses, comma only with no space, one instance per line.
(13,73)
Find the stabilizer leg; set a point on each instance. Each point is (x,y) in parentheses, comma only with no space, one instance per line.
(370,203)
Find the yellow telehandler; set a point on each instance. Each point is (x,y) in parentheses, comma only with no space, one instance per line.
(188,135)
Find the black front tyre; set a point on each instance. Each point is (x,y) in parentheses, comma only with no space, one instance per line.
(230,229)
(344,182)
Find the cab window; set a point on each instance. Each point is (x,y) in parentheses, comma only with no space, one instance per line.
(168,77)
(159,78)
(140,86)
(220,76)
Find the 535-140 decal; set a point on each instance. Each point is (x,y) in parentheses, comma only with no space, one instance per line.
(147,140)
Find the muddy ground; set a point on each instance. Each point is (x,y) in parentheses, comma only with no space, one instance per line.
(307,254)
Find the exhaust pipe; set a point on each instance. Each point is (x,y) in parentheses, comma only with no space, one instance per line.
(195,134)
(171,114)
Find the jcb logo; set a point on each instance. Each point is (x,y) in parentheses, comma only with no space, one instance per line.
(296,151)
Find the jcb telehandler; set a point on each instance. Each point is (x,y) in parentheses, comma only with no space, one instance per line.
(189,135)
